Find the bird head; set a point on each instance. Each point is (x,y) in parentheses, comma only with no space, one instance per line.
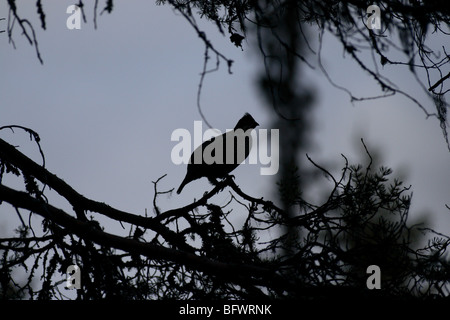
(246,122)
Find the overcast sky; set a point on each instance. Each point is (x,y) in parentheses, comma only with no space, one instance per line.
(106,101)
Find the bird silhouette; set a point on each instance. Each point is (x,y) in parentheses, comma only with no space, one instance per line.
(220,155)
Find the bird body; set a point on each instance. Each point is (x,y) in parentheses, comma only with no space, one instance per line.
(220,155)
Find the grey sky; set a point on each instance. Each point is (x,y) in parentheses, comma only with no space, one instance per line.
(106,101)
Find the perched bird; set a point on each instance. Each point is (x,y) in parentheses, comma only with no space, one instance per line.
(220,155)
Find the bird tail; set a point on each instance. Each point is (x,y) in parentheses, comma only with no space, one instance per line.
(180,188)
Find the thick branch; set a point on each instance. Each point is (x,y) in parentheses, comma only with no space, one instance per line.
(86,230)
(434,86)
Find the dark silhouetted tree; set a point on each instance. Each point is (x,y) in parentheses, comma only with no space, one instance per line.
(297,250)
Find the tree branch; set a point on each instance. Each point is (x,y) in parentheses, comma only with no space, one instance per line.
(87,231)
(12,155)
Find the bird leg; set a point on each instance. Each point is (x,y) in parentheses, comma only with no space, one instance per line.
(227,180)
(213,181)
